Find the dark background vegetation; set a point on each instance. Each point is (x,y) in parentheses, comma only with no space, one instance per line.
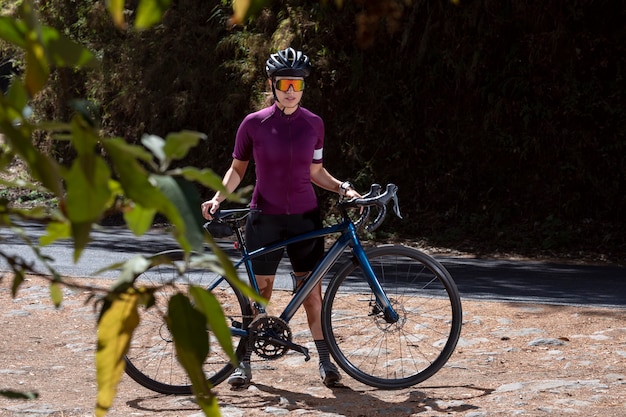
(502,122)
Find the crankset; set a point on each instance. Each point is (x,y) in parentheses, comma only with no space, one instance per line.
(272,338)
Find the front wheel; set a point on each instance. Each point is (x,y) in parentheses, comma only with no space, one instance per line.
(392,355)
(151,360)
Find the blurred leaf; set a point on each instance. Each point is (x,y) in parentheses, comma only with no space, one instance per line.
(56,294)
(88,111)
(206,177)
(15,395)
(188,328)
(225,268)
(187,200)
(37,68)
(140,188)
(174,147)
(53,126)
(139,219)
(43,46)
(42,167)
(116,10)
(206,302)
(117,322)
(88,193)
(155,144)
(87,196)
(18,97)
(18,279)
(132,151)
(178,144)
(13,30)
(64,52)
(243,10)
(80,233)
(130,269)
(137,265)
(55,231)
(149,13)
(84,138)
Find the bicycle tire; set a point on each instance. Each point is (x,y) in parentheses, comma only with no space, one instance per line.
(405,353)
(151,360)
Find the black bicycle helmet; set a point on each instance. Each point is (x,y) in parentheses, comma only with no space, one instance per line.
(289,63)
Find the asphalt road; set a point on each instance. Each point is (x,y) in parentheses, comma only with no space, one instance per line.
(489,279)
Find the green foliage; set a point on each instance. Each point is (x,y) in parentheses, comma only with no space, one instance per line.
(500,122)
(19,395)
(188,327)
(105,174)
(118,320)
(476,110)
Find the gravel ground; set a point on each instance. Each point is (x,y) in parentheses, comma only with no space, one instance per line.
(513,359)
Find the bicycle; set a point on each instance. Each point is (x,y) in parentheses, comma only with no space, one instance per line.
(391,314)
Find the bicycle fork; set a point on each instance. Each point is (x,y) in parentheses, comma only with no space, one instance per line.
(383,304)
(349,238)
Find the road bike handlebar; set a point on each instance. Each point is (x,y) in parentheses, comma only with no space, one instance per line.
(373,198)
(225,220)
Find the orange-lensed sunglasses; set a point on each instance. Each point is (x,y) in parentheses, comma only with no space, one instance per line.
(284,84)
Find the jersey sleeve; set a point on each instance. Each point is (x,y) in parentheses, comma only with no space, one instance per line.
(243,141)
(318,153)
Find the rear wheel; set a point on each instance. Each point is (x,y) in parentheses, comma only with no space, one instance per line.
(151,360)
(392,355)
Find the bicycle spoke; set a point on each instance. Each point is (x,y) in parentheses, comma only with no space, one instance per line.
(151,360)
(400,354)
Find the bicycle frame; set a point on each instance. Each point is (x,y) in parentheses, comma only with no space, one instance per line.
(348,237)
(380,345)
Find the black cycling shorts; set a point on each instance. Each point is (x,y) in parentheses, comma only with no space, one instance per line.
(265,229)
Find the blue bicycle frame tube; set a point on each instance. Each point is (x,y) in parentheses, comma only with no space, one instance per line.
(391,316)
(316,276)
(348,238)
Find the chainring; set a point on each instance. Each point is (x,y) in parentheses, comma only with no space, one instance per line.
(266,327)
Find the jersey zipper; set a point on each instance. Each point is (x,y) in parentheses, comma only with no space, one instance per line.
(290,176)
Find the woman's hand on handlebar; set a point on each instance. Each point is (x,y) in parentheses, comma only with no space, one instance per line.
(209,208)
(351,193)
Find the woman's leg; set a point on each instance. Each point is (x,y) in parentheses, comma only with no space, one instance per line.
(243,374)
(266,285)
(313,307)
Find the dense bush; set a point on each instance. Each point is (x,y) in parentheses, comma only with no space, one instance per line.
(503,123)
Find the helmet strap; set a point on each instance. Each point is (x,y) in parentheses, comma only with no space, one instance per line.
(282,111)
(274,90)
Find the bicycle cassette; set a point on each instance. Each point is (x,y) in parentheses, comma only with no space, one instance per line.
(272,336)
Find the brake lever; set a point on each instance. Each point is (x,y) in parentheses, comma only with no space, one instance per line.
(396,206)
(378,220)
(373,192)
(362,218)
(381,202)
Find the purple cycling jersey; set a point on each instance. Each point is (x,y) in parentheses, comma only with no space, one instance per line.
(283,148)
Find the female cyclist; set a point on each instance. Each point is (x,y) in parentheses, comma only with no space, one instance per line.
(286,142)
